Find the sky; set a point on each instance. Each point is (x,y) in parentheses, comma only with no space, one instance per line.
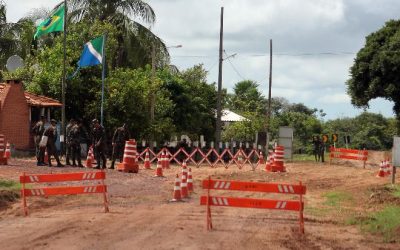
(314,43)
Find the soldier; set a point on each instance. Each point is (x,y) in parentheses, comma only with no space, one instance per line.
(38,131)
(51,133)
(99,143)
(121,135)
(322,151)
(75,135)
(68,141)
(316,147)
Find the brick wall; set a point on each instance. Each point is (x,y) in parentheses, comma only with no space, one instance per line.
(14,117)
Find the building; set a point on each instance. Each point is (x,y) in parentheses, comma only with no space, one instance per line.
(20,110)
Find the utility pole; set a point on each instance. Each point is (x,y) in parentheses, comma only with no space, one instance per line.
(269,95)
(152,94)
(63,83)
(219,94)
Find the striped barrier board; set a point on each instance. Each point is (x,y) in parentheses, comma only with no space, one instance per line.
(63,190)
(281,188)
(349,154)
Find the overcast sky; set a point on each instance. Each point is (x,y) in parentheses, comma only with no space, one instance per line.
(314,43)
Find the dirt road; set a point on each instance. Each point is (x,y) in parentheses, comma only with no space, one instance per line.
(142,218)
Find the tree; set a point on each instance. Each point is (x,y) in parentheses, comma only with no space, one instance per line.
(135,41)
(376,71)
(8,43)
(247,98)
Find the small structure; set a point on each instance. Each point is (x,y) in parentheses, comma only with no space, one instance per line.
(20,110)
(229,117)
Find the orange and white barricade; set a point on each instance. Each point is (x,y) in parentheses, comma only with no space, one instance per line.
(129,163)
(279,154)
(3,159)
(62,190)
(280,188)
(349,154)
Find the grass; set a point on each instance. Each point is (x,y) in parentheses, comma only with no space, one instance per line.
(308,157)
(9,185)
(385,223)
(396,192)
(337,198)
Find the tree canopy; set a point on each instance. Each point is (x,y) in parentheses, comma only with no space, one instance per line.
(376,69)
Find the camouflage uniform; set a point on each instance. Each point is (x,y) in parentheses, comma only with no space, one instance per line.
(121,135)
(99,144)
(68,142)
(51,134)
(75,135)
(38,131)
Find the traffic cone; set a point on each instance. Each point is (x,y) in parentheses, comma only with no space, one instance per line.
(190,181)
(7,153)
(89,159)
(184,169)
(381,172)
(270,162)
(388,172)
(184,188)
(159,170)
(261,159)
(147,164)
(177,190)
(162,159)
(46,156)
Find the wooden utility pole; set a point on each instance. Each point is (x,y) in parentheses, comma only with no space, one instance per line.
(219,95)
(63,83)
(269,95)
(152,94)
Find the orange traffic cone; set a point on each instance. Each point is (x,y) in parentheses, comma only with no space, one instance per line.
(147,164)
(159,171)
(388,172)
(7,153)
(381,172)
(270,162)
(190,181)
(177,190)
(184,188)
(261,159)
(162,159)
(184,169)
(89,159)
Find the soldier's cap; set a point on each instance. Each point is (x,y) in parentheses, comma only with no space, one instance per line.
(53,121)
(94,121)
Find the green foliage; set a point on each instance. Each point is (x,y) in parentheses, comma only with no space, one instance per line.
(385,222)
(376,70)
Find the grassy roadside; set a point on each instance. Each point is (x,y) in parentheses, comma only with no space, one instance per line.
(9,192)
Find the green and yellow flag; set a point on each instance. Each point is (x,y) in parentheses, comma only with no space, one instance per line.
(52,24)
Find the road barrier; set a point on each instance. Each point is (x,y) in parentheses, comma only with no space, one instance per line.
(64,190)
(291,205)
(350,154)
(211,157)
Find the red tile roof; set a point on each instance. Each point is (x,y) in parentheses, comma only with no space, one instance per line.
(31,99)
(41,101)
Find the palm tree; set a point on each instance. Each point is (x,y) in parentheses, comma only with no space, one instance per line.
(135,42)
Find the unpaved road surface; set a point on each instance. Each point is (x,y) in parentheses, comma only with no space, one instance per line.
(141,216)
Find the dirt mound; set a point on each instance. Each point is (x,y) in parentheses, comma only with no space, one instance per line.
(383,195)
(7,197)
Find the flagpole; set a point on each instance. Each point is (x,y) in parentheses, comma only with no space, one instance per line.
(102,79)
(63,84)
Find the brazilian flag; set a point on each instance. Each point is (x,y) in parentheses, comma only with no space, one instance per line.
(52,24)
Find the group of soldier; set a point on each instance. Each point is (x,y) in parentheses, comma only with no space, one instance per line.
(76,134)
